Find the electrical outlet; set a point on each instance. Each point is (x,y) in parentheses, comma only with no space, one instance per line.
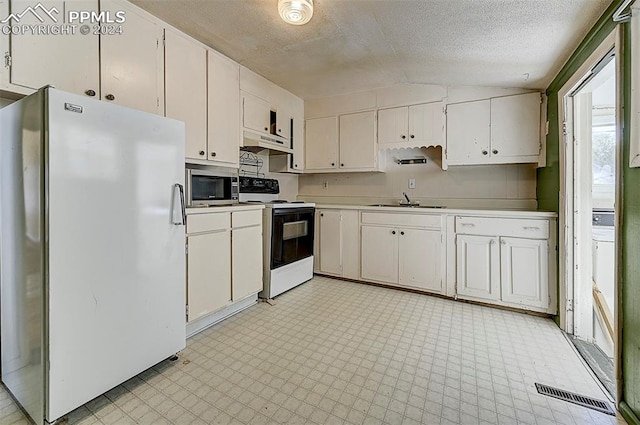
(325,185)
(412,183)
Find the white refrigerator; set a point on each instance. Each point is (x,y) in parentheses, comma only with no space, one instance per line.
(92,287)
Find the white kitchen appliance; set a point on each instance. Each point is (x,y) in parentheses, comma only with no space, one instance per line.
(92,247)
(288,230)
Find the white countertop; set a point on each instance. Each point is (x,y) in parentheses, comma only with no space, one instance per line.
(224,208)
(446,211)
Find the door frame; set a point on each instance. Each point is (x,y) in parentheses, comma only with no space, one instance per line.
(566,234)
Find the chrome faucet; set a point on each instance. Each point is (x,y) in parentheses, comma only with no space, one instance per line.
(406,197)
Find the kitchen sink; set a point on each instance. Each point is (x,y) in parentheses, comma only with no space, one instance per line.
(406,206)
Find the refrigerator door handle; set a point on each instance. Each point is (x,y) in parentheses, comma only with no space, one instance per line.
(179,190)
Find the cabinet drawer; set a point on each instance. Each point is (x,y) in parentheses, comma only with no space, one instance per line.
(409,220)
(515,227)
(197,223)
(246,218)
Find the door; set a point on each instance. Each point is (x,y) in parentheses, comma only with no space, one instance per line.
(116,260)
(186,90)
(321,143)
(426,124)
(224,110)
(358,141)
(131,63)
(468,132)
(67,62)
(420,255)
(330,241)
(478,266)
(524,271)
(246,247)
(392,125)
(515,125)
(209,271)
(256,113)
(379,252)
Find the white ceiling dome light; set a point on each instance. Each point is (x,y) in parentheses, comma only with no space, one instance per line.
(295,12)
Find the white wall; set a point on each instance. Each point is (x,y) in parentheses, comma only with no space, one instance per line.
(495,186)
(4,102)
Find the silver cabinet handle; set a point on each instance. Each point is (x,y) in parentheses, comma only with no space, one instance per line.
(530,228)
(182,221)
(467,225)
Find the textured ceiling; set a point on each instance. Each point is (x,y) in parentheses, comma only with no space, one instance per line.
(354,45)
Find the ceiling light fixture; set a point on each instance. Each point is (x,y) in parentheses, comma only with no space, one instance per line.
(295,12)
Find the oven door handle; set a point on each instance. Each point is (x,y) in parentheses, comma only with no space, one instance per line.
(178,198)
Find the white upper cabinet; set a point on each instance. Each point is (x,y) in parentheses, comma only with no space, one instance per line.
(501,130)
(186,90)
(321,144)
(515,126)
(223,139)
(393,125)
(283,123)
(468,132)
(131,63)
(67,62)
(256,113)
(411,126)
(357,141)
(344,143)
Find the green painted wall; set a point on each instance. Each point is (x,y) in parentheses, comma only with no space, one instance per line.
(548,188)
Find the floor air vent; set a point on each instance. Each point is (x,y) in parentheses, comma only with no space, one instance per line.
(580,400)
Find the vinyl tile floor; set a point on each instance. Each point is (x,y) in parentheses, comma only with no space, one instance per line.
(335,352)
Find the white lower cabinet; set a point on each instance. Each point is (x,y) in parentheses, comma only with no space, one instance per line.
(403,255)
(246,248)
(478,266)
(419,254)
(338,243)
(208,264)
(379,254)
(224,260)
(504,261)
(524,271)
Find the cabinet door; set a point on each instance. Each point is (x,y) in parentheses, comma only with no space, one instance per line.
(283,123)
(246,247)
(468,132)
(358,141)
(420,256)
(321,143)
(426,124)
(67,62)
(131,64)
(379,251)
(185,82)
(524,275)
(478,266)
(350,244)
(330,244)
(256,114)
(515,125)
(392,125)
(223,139)
(208,273)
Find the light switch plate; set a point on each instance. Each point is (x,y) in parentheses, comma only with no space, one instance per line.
(412,183)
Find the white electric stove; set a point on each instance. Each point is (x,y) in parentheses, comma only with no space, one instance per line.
(288,229)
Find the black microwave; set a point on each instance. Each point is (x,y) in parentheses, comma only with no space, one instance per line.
(205,188)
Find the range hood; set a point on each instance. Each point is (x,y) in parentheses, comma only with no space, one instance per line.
(254,141)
